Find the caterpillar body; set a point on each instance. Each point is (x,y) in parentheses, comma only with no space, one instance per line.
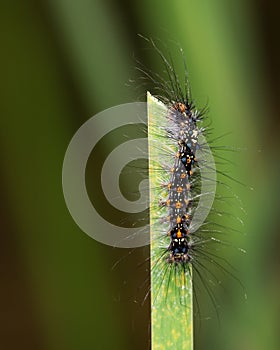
(179,199)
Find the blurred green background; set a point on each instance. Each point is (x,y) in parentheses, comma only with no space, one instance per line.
(61,62)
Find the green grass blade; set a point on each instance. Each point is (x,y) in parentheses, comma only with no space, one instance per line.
(171,286)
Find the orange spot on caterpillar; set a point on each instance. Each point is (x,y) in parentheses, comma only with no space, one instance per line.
(179,219)
(183,176)
(179,234)
(178,205)
(181,107)
(179,189)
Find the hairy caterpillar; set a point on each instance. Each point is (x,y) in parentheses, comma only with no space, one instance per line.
(185,178)
(184,130)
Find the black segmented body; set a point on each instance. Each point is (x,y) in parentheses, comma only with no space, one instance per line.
(179,200)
